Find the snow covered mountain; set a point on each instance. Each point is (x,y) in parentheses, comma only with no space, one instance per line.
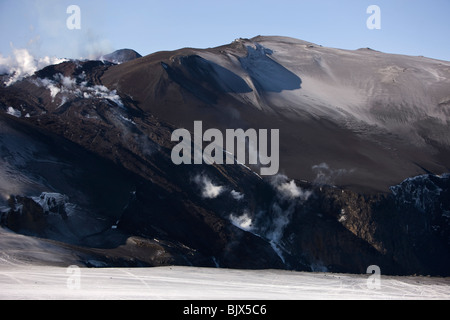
(364,156)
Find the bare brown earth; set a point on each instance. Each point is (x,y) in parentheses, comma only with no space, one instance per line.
(378,116)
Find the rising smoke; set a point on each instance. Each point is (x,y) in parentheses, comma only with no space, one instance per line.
(208,189)
(271,222)
(22,64)
(325,175)
(288,190)
(66,89)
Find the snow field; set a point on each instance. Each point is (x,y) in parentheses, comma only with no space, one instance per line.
(186,283)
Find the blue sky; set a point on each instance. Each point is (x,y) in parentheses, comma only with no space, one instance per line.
(413,27)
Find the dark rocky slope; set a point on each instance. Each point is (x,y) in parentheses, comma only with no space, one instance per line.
(86,163)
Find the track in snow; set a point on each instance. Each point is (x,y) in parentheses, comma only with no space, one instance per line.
(185,283)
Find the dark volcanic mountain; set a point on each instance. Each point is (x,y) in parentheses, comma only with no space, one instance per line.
(86,147)
(382,118)
(121,56)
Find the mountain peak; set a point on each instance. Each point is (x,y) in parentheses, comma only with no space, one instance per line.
(121,56)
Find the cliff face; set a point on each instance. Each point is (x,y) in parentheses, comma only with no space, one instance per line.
(405,232)
(85,160)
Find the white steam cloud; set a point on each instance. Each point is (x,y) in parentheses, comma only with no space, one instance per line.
(271,223)
(66,88)
(327,176)
(288,190)
(94,46)
(280,220)
(289,195)
(209,190)
(236,195)
(22,64)
(243,222)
